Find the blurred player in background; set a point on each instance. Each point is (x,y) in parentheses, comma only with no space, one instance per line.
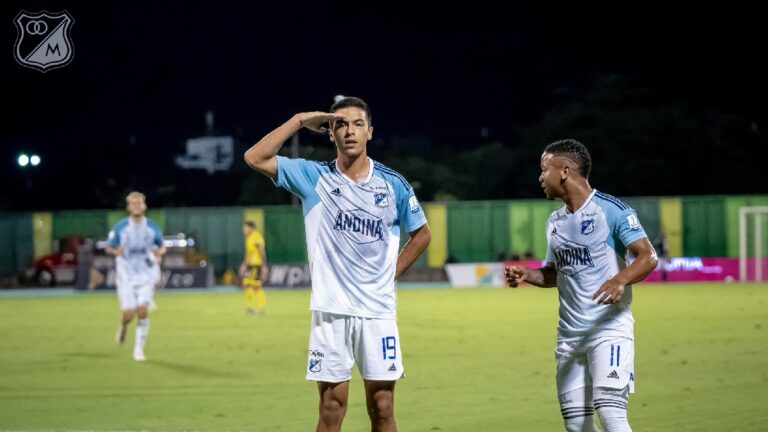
(137,244)
(587,243)
(254,270)
(353,209)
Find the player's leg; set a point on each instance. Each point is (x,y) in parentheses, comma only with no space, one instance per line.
(380,361)
(333,405)
(574,388)
(329,362)
(577,410)
(144,299)
(611,405)
(261,297)
(612,362)
(380,400)
(127,308)
(249,289)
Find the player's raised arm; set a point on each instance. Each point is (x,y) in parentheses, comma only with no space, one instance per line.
(545,277)
(262,157)
(645,261)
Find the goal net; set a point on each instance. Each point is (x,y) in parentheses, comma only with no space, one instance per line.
(753,243)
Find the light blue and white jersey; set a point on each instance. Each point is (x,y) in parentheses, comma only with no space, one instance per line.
(589,247)
(353,233)
(137,265)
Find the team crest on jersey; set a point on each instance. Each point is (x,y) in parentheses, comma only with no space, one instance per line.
(587,226)
(315,365)
(381,199)
(359,226)
(573,258)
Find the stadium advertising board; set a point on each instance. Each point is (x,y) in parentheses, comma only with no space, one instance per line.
(681,269)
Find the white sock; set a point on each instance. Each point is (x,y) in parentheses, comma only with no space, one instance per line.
(578,411)
(611,406)
(142,332)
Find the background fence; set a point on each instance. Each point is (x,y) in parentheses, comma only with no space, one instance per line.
(476,231)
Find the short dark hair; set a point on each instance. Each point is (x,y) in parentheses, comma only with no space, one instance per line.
(250,224)
(573,150)
(351,101)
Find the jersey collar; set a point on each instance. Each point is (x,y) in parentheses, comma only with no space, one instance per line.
(367,178)
(588,200)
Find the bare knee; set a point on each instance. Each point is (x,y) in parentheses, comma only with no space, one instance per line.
(382,406)
(333,405)
(332,410)
(380,399)
(128,315)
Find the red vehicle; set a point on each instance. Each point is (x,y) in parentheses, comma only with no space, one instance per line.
(61,267)
(58,267)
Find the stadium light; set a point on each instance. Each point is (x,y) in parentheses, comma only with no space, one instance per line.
(34,160)
(23,160)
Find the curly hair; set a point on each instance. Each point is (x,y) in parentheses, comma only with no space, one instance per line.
(573,150)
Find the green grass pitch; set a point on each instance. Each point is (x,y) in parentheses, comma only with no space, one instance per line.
(476,360)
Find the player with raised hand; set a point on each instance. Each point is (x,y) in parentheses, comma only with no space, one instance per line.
(353,210)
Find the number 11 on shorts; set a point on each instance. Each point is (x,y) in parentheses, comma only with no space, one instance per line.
(389,348)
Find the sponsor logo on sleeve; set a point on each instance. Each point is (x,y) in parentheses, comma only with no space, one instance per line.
(413,204)
(634,223)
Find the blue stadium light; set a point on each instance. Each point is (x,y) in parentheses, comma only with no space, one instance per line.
(23,160)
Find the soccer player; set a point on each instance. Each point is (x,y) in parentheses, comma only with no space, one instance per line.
(254,270)
(137,244)
(353,209)
(588,239)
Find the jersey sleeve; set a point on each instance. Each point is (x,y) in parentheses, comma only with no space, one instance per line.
(253,242)
(627,227)
(550,253)
(259,241)
(113,238)
(297,176)
(157,239)
(409,209)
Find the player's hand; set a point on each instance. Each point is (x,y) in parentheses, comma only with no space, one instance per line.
(317,121)
(515,275)
(264,272)
(242,270)
(120,251)
(610,293)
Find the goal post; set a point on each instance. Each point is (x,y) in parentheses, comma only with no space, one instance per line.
(755,218)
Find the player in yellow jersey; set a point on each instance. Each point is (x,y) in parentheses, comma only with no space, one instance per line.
(254,270)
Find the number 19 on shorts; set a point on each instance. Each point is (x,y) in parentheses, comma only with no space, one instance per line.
(389,348)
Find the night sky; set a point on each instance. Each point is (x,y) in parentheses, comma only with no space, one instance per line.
(144,74)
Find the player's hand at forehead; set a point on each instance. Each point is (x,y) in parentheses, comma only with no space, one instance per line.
(318,121)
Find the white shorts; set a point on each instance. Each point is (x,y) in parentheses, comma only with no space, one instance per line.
(134,295)
(604,362)
(338,342)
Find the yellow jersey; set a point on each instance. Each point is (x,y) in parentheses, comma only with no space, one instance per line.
(253,244)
